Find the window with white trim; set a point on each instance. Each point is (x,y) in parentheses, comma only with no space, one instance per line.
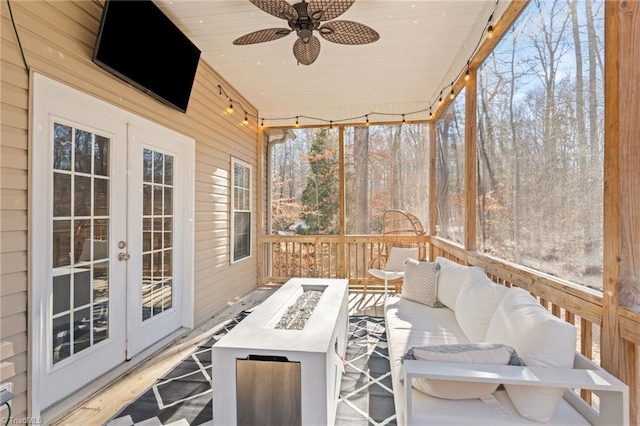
(240,211)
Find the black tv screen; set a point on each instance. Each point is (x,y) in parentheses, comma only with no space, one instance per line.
(140,44)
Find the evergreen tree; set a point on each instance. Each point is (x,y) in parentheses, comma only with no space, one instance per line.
(321,195)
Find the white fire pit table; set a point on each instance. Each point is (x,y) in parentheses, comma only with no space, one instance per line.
(281,365)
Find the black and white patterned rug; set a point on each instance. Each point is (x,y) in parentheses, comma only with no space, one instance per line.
(184,395)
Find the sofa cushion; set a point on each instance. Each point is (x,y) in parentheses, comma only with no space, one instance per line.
(450,279)
(472,353)
(414,324)
(477,301)
(397,257)
(541,339)
(421,282)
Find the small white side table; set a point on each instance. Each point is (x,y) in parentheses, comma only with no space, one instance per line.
(386,276)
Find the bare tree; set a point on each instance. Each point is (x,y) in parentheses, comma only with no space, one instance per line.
(361,181)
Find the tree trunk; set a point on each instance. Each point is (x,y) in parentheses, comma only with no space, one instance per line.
(595,163)
(396,169)
(361,179)
(516,158)
(582,144)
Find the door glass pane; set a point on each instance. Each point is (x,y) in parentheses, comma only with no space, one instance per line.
(61,287)
(146,199)
(82,194)
(158,175)
(80,287)
(81,330)
(100,197)
(146,235)
(168,170)
(83,148)
(62,189)
(100,322)
(62,147)
(157,200)
(147,165)
(100,281)
(61,243)
(101,156)
(61,338)
(157,229)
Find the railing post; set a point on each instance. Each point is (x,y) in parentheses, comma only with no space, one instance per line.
(621,183)
(260,199)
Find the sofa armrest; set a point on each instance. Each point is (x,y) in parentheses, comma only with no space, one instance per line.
(614,394)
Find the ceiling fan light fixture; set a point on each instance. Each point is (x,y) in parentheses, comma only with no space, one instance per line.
(305,34)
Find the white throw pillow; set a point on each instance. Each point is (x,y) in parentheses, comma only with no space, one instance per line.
(421,282)
(397,256)
(471,353)
(477,301)
(450,279)
(542,340)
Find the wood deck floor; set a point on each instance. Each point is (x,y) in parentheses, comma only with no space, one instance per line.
(101,406)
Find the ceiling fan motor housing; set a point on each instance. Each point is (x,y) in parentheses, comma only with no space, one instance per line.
(305,24)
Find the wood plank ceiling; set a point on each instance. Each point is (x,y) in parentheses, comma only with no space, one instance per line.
(423,46)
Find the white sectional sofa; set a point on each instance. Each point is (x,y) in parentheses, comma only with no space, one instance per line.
(477,310)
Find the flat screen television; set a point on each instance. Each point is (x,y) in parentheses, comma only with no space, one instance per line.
(138,43)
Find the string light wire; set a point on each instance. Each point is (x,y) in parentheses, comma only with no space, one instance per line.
(487,32)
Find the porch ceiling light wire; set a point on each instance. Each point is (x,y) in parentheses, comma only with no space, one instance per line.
(298,117)
(15,29)
(486,32)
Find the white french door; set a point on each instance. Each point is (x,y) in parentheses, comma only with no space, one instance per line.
(111,213)
(156,236)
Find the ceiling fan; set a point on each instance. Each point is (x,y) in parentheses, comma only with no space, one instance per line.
(306,17)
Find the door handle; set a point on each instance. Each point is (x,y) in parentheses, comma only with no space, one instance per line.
(123,257)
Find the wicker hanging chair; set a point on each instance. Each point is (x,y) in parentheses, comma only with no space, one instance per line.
(400,229)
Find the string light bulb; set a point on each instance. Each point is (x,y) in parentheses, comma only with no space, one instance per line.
(367,117)
(452,95)
(440,100)
(230,109)
(430,114)
(297,123)
(246,119)
(262,123)
(490,32)
(331,124)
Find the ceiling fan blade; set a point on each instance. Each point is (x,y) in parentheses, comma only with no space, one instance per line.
(324,10)
(348,32)
(278,8)
(306,52)
(262,36)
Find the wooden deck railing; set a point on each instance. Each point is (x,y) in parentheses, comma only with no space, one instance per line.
(324,256)
(349,257)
